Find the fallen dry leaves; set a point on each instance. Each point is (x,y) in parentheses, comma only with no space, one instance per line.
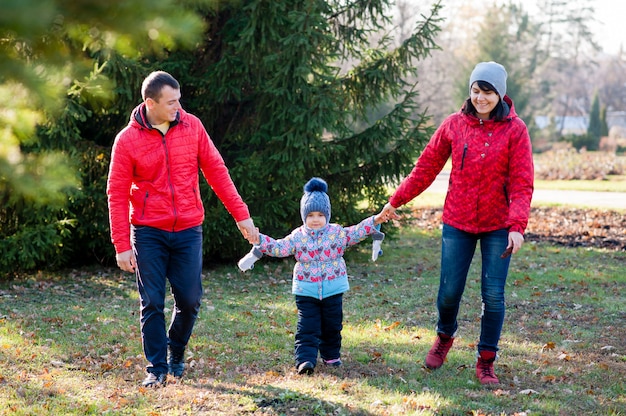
(571,227)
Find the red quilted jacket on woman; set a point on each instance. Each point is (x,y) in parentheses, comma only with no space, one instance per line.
(154,178)
(491,181)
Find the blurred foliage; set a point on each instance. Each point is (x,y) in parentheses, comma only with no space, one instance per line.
(312,89)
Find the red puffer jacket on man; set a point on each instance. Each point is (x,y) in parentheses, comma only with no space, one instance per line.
(491,181)
(159,174)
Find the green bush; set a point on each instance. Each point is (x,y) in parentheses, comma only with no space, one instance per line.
(581,141)
(33,237)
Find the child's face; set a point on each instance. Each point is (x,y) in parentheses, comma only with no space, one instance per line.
(315,220)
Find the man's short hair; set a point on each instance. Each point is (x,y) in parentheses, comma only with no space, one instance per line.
(154,83)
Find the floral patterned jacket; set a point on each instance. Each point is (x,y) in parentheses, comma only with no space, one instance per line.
(320,270)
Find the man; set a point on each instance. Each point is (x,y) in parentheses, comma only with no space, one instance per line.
(156,215)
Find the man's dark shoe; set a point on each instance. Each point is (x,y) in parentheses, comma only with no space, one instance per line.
(176,363)
(155,380)
(306,367)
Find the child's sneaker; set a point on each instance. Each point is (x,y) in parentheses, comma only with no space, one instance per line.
(155,380)
(306,367)
(333,363)
(484,368)
(247,262)
(438,352)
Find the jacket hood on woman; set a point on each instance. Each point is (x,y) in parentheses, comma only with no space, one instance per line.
(492,175)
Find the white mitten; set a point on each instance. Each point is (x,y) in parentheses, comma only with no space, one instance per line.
(247,262)
(378,238)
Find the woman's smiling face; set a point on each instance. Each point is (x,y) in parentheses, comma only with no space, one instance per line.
(484,101)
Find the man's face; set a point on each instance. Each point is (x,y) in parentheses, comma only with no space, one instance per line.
(166,108)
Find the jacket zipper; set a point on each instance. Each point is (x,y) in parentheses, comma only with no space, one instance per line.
(464,153)
(506,195)
(169,180)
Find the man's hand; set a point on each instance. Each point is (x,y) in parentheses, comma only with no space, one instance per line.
(249,231)
(126,261)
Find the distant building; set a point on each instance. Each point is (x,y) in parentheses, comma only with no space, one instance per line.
(616,118)
(576,125)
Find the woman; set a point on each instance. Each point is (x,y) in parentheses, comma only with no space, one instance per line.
(488,201)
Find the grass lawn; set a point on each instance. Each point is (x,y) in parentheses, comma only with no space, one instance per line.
(70,341)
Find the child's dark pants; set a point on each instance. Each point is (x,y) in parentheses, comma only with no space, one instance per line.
(319,328)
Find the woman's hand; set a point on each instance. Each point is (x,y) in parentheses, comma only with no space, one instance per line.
(516,240)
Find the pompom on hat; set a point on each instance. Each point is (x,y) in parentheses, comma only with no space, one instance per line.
(315,199)
(491,72)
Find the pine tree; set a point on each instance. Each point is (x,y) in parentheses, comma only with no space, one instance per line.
(287,91)
(594,131)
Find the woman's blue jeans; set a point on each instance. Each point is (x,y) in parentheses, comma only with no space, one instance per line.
(177,257)
(457,252)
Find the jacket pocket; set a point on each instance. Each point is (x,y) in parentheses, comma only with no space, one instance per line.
(145,203)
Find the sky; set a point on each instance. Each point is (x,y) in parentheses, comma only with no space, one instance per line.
(609,27)
(610,31)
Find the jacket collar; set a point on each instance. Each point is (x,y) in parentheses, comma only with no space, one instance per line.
(139,115)
(508,103)
(314,233)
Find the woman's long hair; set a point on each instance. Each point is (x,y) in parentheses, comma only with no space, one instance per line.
(499,112)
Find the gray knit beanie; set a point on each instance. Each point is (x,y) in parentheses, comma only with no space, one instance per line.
(315,199)
(491,72)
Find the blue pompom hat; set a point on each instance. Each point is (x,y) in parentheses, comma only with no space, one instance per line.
(315,199)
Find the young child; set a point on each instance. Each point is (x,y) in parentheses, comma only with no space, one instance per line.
(319,275)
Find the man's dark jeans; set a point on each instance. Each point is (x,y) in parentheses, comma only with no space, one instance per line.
(177,257)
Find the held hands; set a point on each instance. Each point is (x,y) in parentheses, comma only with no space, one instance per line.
(126,261)
(249,231)
(387,213)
